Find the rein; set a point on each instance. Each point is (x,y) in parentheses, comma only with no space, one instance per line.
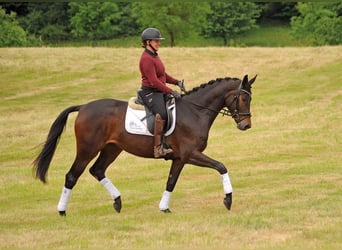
(226,110)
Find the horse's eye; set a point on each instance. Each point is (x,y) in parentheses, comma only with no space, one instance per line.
(245,98)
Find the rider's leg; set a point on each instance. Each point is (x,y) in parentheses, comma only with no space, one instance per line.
(159,150)
(159,109)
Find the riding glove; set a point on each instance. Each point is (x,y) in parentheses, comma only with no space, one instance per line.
(181,85)
(176,94)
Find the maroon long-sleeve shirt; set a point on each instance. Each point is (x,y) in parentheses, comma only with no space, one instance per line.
(153,73)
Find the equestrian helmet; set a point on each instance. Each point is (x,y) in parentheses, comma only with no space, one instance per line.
(151,34)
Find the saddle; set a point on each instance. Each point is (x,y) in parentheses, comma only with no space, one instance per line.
(140,119)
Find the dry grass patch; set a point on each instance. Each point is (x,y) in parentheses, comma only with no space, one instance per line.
(285,170)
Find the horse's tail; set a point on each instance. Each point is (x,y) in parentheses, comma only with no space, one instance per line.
(42,162)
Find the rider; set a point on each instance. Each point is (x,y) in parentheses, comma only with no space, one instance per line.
(154,89)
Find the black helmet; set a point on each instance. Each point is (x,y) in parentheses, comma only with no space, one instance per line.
(151,34)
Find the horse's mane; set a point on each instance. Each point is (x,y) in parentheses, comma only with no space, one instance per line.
(211,82)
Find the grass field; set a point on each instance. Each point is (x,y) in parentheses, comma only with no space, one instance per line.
(286,170)
(267,34)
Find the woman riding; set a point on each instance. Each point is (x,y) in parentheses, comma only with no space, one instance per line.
(154,89)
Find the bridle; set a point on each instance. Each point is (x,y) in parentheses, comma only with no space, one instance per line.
(235,114)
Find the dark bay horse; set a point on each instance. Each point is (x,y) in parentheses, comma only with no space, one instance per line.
(99,128)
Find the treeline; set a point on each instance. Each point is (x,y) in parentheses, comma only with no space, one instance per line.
(34,24)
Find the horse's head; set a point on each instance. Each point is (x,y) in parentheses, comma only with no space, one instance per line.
(238,103)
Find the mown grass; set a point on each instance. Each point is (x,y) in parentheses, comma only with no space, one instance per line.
(286,170)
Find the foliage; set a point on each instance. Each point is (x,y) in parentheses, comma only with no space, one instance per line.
(11,33)
(319,22)
(174,19)
(128,23)
(95,20)
(277,11)
(180,22)
(49,21)
(227,20)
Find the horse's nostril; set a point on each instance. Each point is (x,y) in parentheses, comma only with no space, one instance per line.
(247,126)
(244,126)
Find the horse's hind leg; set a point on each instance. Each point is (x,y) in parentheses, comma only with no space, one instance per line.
(71,178)
(106,157)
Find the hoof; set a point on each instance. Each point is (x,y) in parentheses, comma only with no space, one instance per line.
(166,211)
(228,200)
(117,204)
(62,213)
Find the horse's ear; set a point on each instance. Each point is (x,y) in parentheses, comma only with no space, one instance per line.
(245,80)
(252,80)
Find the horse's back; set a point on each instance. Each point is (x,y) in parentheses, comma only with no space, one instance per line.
(101,111)
(101,107)
(104,103)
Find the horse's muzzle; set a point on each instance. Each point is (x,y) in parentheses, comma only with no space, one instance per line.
(244,124)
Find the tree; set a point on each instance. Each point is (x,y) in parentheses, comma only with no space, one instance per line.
(278,11)
(228,19)
(48,21)
(20,8)
(320,23)
(12,34)
(95,20)
(173,19)
(128,23)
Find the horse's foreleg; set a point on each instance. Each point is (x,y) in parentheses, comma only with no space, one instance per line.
(106,157)
(228,190)
(164,202)
(200,159)
(175,171)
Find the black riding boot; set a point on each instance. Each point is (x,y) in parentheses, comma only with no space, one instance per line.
(159,150)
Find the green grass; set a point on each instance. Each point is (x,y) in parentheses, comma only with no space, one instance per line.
(266,35)
(269,36)
(286,170)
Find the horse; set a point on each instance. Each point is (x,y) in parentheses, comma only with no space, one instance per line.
(99,130)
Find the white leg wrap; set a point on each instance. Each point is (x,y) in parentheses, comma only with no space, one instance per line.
(112,190)
(63,201)
(227,186)
(164,202)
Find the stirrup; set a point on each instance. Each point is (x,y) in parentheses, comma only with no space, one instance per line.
(160,151)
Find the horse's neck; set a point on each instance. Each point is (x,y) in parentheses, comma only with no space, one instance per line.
(211,99)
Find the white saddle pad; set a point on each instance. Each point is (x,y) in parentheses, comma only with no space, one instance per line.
(136,122)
